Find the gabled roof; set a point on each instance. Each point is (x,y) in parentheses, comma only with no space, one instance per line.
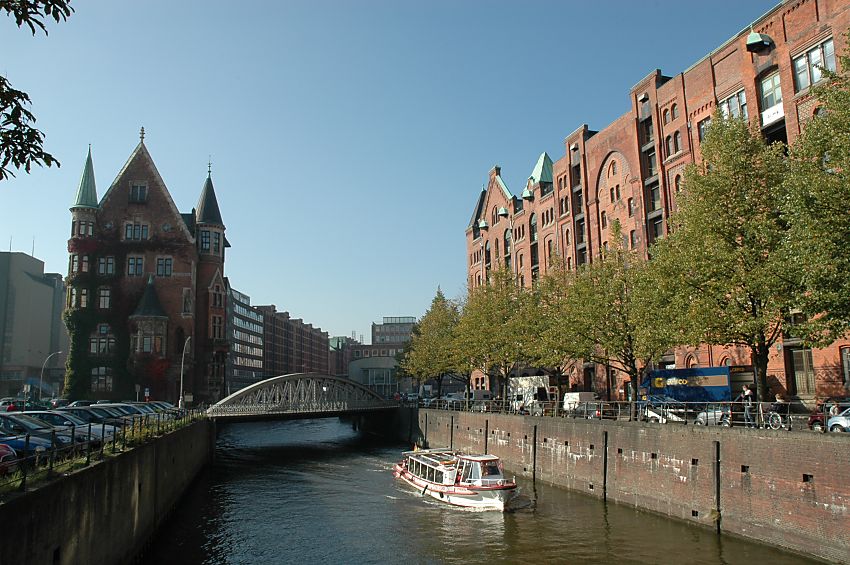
(208,212)
(87,191)
(504,188)
(542,170)
(141,152)
(149,306)
(473,222)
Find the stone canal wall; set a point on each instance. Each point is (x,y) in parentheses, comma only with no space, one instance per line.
(787,489)
(104,514)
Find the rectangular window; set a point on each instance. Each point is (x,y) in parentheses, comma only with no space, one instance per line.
(631,206)
(101,379)
(135,266)
(216,242)
(579,232)
(632,239)
(656,229)
(75,263)
(702,127)
(845,364)
(138,193)
(653,198)
(771,92)
(808,66)
(104,296)
(84,264)
(84,298)
(136,231)
(73,228)
(735,106)
(163,266)
(647,132)
(106,265)
(651,164)
(205,240)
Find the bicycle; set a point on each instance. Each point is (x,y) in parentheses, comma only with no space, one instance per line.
(775,420)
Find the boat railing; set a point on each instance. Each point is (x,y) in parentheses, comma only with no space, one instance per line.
(491,482)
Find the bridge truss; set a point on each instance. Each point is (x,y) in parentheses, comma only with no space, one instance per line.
(297,396)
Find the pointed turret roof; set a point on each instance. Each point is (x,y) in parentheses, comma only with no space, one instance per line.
(208,212)
(542,170)
(87,192)
(149,306)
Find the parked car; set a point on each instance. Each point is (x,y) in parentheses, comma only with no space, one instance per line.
(34,446)
(595,411)
(20,424)
(717,415)
(95,415)
(67,421)
(8,459)
(22,404)
(81,403)
(817,417)
(840,423)
(662,409)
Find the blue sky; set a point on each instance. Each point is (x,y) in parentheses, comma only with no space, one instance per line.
(349,140)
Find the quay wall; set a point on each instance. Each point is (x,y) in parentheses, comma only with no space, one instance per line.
(787,489)
(105,513)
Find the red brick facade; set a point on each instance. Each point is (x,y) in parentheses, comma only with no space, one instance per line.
(630,171)
(123,334)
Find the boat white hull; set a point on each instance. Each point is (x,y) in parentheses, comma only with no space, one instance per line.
(483,498)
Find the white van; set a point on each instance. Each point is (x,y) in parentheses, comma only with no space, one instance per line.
(573,400)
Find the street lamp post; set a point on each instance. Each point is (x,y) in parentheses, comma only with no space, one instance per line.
(182,363)
(41,377)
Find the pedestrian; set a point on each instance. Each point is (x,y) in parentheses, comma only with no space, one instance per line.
(834,410)
(747,395)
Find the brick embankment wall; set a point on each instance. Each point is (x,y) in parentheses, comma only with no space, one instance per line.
(104,514)
(787,489)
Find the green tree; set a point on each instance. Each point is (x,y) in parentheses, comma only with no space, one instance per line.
(818,186)
(491,333)
(609,313)
(726,262)
(20,142)
(431,351)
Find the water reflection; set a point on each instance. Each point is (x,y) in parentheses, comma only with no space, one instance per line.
(316,492)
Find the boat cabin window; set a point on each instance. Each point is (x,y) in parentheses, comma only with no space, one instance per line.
(476,471)
(439,478)
(467,469)
(430,476)
(491,469)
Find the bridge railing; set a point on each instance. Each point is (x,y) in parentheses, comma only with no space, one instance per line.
(299,407)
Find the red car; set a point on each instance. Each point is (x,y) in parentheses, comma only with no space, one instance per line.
(8,459)
(816,418)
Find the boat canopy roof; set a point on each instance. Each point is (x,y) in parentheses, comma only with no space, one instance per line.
(479,458)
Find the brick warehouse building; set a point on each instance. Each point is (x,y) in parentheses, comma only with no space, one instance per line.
(632,169)
(143,279)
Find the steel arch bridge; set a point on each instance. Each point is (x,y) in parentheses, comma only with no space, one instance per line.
(299,395)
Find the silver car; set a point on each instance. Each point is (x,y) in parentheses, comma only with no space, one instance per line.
(840,423)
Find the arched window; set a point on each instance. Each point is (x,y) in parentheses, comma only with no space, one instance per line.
(487,254)
(666,115)
(726,362)
(612,169)
(507,247)
(669,144)
(677,141)
(677,183)
(603,220)
(567,236)
(674,111)
(691,362)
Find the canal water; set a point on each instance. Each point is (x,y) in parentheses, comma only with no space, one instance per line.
(315,491)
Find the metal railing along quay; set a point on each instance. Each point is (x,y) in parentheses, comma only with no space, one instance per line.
(758,415)
(35,459)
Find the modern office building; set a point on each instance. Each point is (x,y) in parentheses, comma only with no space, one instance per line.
(33,340)
(631,170)
(145,284)
(376,365)
(291,345)
(245,325)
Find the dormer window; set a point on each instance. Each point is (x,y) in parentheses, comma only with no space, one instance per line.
(139,193)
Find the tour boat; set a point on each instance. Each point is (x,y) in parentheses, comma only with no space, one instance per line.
(472,481)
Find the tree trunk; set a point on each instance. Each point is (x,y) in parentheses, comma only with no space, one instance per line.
(759,354)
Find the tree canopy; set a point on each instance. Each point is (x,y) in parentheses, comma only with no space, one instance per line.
(726,261)
(818,187)
(21,144)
